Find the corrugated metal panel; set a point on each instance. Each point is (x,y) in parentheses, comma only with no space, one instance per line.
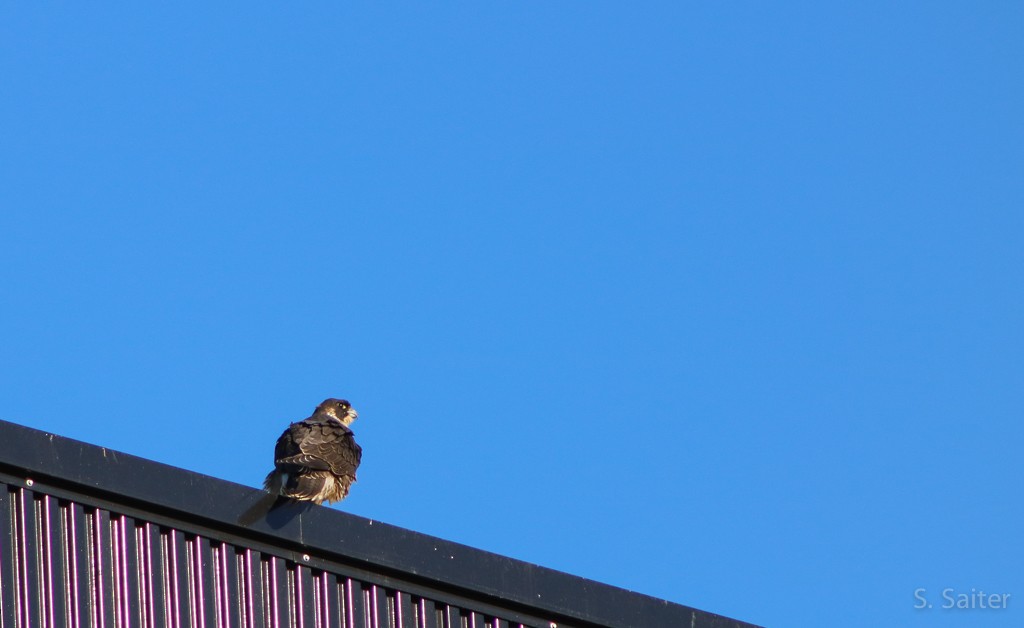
(98,538)
(68,564)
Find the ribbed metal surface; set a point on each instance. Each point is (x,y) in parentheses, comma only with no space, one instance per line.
(91,537)
(67,564)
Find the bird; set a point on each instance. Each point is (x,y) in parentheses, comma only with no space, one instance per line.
(316,459)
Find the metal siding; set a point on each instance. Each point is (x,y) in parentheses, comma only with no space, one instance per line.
(176,582)
(76,541)
(101,539)
(356,616)
(427,614)
(101,569)
(305,608)
(8,605)
(51,562)
(405,610)
(68,564)
(377,605)
(152,566)
(329,590)
(250,589)
(318,584)
(226,586)
(451,616)
(200,594)
(280,602)
(127,583)
(27,562)
(41,545)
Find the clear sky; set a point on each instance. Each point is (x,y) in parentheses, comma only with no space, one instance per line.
(719,302)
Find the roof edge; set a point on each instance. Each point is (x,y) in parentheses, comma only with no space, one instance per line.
(224,505)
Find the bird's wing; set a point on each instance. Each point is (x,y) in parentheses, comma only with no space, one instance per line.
(303,461)
(320,445)
(337,447)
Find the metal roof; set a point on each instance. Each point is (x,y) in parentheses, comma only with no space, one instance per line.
(91,537)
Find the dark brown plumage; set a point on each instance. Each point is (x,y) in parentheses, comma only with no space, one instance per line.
(316,458)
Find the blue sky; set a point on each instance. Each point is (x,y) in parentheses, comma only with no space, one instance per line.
(719,302)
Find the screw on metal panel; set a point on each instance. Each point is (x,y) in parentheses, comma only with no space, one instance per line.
(29,482)
(305,557)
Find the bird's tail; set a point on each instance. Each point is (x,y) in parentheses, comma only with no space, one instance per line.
(275,481)
(273,484)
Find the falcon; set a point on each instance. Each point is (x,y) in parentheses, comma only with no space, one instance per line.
(316,458)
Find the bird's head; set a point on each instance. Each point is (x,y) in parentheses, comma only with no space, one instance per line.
(339,410)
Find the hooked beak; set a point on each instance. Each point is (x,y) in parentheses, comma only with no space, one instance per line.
(350,416)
